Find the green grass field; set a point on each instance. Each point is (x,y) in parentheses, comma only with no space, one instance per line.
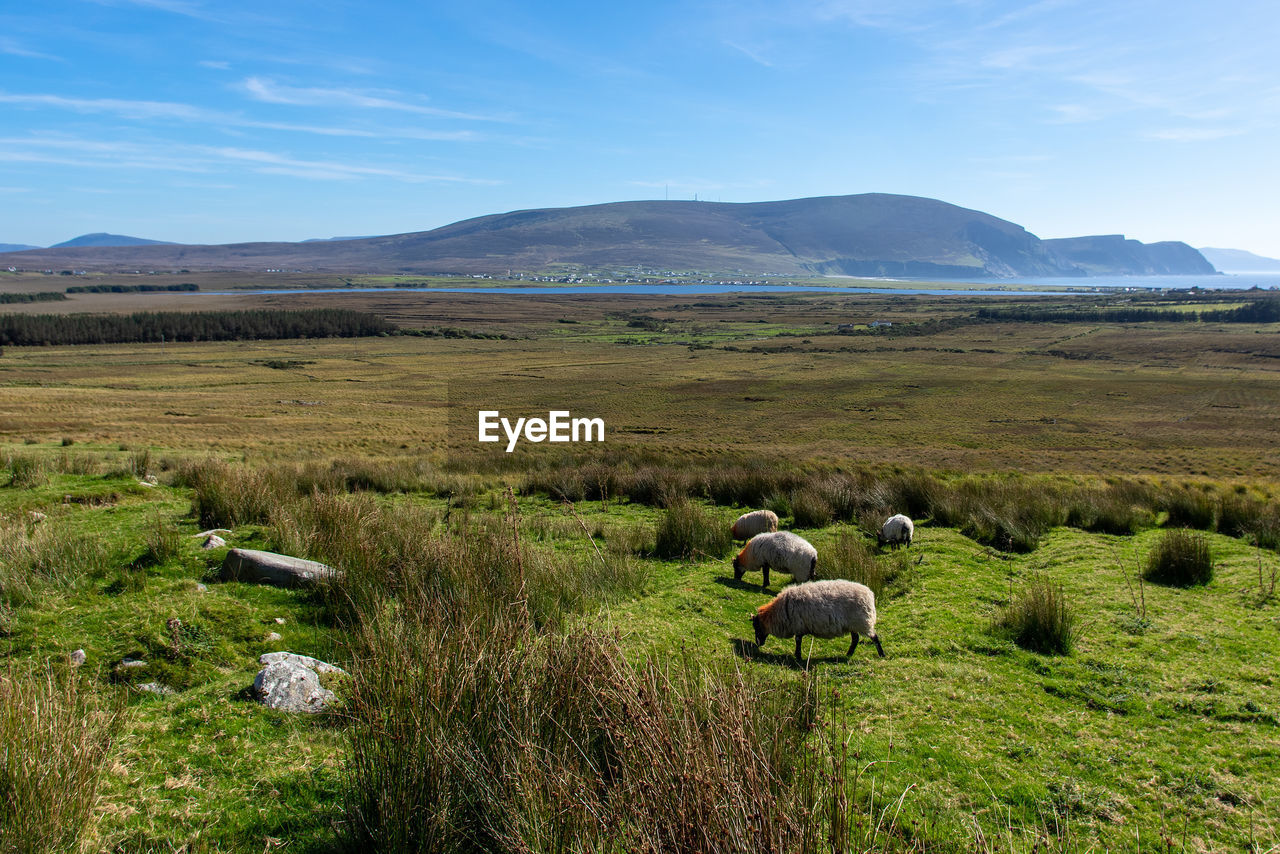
(1158,731)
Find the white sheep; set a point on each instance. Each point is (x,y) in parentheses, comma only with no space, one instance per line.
(897,530)
(755,522)
(824,609)
(780,550)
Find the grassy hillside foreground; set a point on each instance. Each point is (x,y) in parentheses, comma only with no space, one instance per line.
(1158,731)
(550,653)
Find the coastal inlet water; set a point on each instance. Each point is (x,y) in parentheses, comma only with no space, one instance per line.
(1005,287)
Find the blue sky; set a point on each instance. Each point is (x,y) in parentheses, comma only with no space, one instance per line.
(214,121)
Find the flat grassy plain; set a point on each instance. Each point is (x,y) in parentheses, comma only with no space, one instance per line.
(1158,732)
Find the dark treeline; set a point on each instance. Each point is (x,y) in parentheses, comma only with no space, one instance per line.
(130,289)
(43,296)
(36,329)
(453,332)
(1257,311)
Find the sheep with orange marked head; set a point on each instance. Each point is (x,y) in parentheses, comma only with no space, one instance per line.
(755,522)
(780,550)
(824,609)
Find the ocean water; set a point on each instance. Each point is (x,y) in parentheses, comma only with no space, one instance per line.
(1224,281)
(977,289)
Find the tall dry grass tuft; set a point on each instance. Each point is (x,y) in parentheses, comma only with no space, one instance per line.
(404,551)
(27,471)
(1180,559)
(55,733)
(1040,619)
(1190,507)
(810,508)
(687,530)
(227,495)
(488,735)
(852,558)
(34,555)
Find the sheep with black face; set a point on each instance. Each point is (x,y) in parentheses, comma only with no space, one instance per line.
(780,550)
(824,609)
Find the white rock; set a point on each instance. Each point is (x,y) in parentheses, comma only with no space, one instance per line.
(290,687)
(77,658)
(269,658)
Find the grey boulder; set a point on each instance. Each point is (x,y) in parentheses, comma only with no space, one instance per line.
(289,682)
(258,567)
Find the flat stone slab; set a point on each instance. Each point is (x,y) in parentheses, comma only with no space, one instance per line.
(258,567)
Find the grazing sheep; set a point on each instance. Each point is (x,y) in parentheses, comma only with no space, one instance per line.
(824,609)
(755,522)
(896,531)
(781,550)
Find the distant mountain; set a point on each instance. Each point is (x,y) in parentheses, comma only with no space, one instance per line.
(330,239)
(1240,261)
(16,247)
(873,234)
(103,239)
(1111,254)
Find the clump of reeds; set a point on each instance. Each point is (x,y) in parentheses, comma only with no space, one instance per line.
(810,508)
(1190,507)
(47,553)
(1180,559)
(1040,619)
(852,558)
(687,530)
(163,543)
(487,735)
(55,733)
(227,495)
(27,471)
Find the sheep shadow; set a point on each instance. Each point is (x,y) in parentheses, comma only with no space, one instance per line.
(730,581)
(748,651)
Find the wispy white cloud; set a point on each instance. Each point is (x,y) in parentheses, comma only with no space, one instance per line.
(216,64)
(12,47)
(1193,134)
(271,163)
(1100,61)
(1070,114)
(176,111)
(904,15)
(176,7)
(97,154)
(125,108)
(270,92)
(754,56)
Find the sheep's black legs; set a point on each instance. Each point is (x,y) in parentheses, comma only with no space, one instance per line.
(766,578)
(799,638)
(879,648)
(853,645)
